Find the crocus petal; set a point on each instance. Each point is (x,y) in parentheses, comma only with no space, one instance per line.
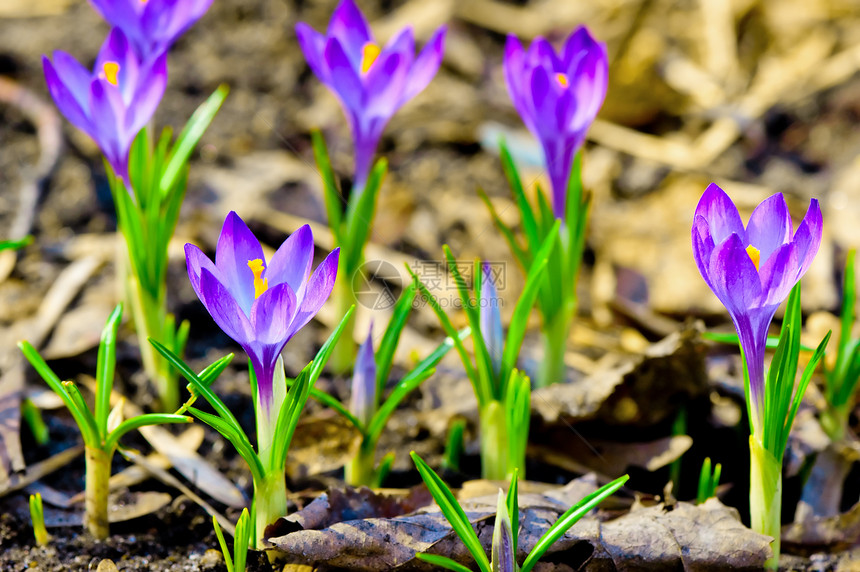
(195,262)
(75,77)
(312,44)
(721,213)
(237,246)
(491,318)
(292,261)
(66,100)
(779,275)
(363,394)
(808,237)
(107,109)
(349,26)
(769,226)
(384,84)
(151,88)
(589,84)
(344,78)
(318,290)
(426,65)
(224,309)
(735,279)
(515,78)
(503,557)
(272,313)
(703,248)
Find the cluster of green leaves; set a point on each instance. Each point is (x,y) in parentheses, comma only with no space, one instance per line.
(708,481)
(226,423)
(503,393)
(351,228)
(557,305)
(782,396)
(242,538)
(841,382)
(507,524)
(383,408)
(101,428)
(147,217)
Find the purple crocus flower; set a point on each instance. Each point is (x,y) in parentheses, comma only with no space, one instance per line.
(261,305)
(151,25)
(753,269)
(558,97)
(371,82)
(363,399)
(491,318)
(112,103)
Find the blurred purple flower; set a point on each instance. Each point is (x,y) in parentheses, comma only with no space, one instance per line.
(558,97)
(112,103)
(151,25)
(363,398)
(371,82)
(753,270)
(261,306)
(491,318)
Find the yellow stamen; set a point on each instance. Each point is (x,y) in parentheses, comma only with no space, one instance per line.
(754,254)
(260,284)
(369,53)
(111,69)
(562,80)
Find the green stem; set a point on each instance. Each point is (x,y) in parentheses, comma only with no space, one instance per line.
(766,497)
(96,491)
(343,355)
(494,441)
(554,337)
(361,469)
(270,503)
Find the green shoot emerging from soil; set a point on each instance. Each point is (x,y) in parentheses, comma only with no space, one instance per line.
(267,463)
(242,538)
(503,392)
(505,533)
(102,427)
(708,481)
(368,411)
(37,515)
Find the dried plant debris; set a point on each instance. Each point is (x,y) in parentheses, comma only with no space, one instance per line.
(643,390)
(705,537)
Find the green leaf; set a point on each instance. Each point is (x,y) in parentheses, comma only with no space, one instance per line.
(359,217)
(406,385)
(442,562)
(141,421)
(391,337)
(381,472)
(331,194)
(519,320)
(332,402)
(522,256)
(228,560)
(801,389)
(512,504)
(15,244)
(454,445)
(238,439)
(526,213)
(568,519)
(242,539)
(453,512)
(105,368)
(733,339)
(517,406)
(190,135)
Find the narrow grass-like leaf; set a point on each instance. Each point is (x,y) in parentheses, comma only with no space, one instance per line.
(330,401)
(568,519)
(383,469)
(228,560)
(526,213)
(359,217)
(453,512)
(442,562)
(331,195)
(15,244)
(141,421)
(519,320)
(105,368)
(237,438)
(190,135)
(522,256)
(454,445)
(78,399)
(732,339)
(391,337)
(512,504)
(801,389)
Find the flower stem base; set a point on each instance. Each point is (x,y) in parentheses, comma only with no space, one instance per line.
(361,469)
(494,442)
(554,339)
(270,504)
(766,497)
(96,492)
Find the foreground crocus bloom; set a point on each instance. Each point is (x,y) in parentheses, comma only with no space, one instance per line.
(261,305)
(151,25)
(753,269)
(558,97)
(112,103)
(371,82)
